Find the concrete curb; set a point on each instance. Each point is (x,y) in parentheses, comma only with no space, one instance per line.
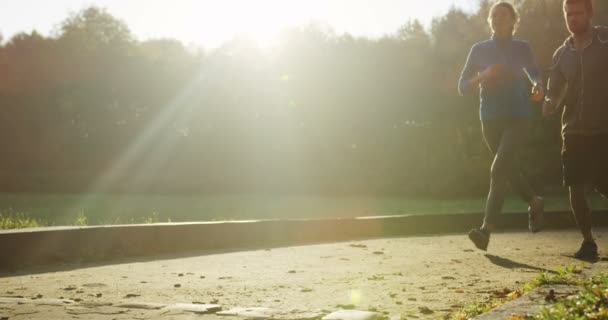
(101,243)
(530,304)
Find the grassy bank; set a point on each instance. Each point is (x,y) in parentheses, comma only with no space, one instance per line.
(19,210)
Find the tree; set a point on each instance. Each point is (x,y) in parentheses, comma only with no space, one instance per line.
(95,28)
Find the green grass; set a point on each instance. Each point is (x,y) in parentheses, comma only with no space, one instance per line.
(94,209)
(18,221)
(562,275)
(567,275)
(590,303)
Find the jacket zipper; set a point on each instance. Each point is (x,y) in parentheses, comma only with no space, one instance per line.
(582,92)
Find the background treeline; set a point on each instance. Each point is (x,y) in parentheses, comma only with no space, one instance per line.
(92,108)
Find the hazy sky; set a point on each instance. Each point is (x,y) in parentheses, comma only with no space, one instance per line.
(208,23)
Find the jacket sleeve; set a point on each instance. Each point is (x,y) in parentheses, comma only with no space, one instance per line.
(469,71)
(531,66)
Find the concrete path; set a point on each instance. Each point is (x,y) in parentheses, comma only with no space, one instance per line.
(402,278)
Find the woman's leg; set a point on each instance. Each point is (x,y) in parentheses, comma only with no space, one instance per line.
(493,133)
(518,133)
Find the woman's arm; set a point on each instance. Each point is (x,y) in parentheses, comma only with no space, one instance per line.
(471,77)
(533,74)
(531,68)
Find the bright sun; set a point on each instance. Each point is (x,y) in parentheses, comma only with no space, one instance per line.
(211,23)
(260,20)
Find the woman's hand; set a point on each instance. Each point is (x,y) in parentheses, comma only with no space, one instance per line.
(492,72)
(549,107)
(537,93)
(489,74)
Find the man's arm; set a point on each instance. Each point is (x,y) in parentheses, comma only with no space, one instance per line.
(556,86)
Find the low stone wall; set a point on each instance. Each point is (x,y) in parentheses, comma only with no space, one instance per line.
(19,248)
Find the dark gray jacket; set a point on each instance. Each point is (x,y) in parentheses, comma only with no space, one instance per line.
(578,80)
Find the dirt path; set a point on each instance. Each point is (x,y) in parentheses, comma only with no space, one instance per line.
(424,277)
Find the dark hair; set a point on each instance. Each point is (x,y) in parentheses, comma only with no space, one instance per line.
(588,4)
(509,7)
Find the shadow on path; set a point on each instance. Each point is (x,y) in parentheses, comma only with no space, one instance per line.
(588,260)
(510,264)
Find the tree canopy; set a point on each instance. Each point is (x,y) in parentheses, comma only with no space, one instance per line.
(92,108)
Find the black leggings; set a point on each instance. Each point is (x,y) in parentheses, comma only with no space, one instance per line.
(505,139)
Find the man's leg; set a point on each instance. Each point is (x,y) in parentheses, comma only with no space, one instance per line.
(578,162)
(582,213)
(601,171)
(603,190)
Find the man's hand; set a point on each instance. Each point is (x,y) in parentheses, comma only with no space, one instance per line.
(549,107)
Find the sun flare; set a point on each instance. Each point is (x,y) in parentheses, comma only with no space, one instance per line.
(261,21)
